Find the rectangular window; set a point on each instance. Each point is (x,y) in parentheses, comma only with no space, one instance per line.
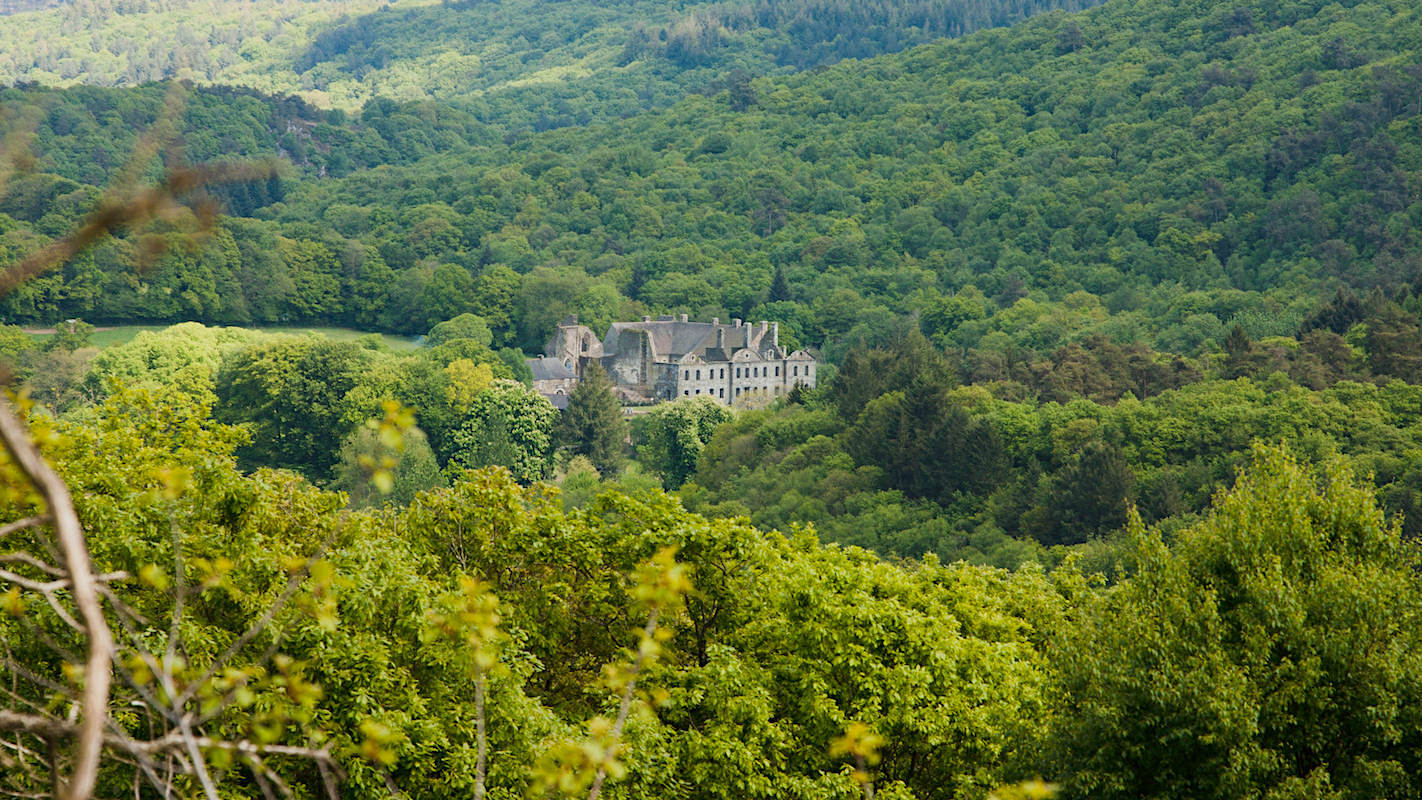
(686,376)
(794,370)
(777,372)
(755,372)
(721,392)
(698,374)
(723,372)
(738,372)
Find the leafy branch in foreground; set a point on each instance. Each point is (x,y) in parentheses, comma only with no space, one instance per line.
(584,767)
(144,697)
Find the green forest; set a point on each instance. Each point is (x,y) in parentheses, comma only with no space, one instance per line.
(516,63)
(1110,486)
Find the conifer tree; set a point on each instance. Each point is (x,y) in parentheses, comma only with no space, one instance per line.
(779,287)
(592,425)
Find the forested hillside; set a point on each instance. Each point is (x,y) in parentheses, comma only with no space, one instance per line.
(1110,487)
(1179,168)
(516,63)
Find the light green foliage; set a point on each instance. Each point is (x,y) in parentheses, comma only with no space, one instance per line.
(1271,651)
(186,357)
(297,396)
(671,437)
(464,326)
(57,378)
(14,344)
(814,653)
(578,481)
(70,335)
(1237,655)
(507,425)
(410,468)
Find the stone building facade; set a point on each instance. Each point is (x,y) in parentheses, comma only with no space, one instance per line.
(669,357)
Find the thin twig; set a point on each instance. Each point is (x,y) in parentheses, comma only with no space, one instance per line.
(29,560)
(481,759)
(190,743)
(16,146)
(21,524)
(180,590)
(45,590)
(326,766)
(254,630)
(626,706)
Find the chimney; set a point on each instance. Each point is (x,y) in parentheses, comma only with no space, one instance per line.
(646,318)
(715,320)
(721,338)
(735,323)
(764,326)
(774,334)
(685,317)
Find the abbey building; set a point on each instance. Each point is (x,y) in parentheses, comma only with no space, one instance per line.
(668,357)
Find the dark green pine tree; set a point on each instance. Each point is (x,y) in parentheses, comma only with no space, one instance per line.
(1239,352)
(779,287)
(1090,496)
(1394,344)
(592,425)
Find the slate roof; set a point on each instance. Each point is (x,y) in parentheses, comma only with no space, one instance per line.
(549,368)
(673,339)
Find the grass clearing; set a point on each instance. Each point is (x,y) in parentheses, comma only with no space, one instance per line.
(109,336)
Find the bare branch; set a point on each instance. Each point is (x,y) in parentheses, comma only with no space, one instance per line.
(329,771)
(19,525)
(180,591)
(27,559)
(172,742)
(94,707)
(154,138)
(126,612)
(190,744)
(34,725)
